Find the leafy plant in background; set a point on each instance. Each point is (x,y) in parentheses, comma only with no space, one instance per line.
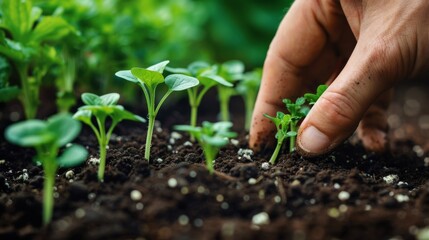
(102,107)
(26,39)
(248,88)
(207,77)
(149,79)
(231,71)
(211,137)
(287,124)
(7,92)
(47,137)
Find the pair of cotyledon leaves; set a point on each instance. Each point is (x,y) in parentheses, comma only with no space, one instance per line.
(213,134)
(52,134)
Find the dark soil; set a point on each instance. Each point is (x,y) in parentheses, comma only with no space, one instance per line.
(349,194)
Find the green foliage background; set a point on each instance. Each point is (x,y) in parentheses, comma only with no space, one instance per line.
(119,34)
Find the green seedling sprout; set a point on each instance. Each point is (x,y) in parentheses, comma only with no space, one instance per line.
(26,40)
(231,71)
(287,124)
(149,79)
(207,77)
(47,137)
(211,137)
(102,107)
(282,122)
(297,111)
(248,88)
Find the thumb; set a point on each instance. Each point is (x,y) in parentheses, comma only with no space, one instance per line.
(369,72)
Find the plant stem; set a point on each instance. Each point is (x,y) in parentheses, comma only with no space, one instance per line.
(48,190)
(249,104)
(224,97)
(276,151)
(292,138)
(149,136)
(29,93)
(102,166)
(209,154)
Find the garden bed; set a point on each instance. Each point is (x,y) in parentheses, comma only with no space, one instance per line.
(348,194)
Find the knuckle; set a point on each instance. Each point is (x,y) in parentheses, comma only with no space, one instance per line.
(338,108)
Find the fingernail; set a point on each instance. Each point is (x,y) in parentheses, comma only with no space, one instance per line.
(313,141)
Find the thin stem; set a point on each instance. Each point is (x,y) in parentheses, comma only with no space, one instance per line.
(102,166)
(249,105)
(48,190)
(162,101)
(209,154)
(224,101)
(149,136)
(29,93)
(292,138)
(276,151)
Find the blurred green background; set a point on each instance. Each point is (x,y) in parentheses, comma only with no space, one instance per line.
(120,34)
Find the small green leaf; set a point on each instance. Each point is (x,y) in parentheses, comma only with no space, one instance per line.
(300,101)
(51,28)
(120,114)
(291,134)
(187,128)
(29,133)
(159,67)
(83,115)
(109,99)
(197,67)
(179,70)
(148,77)
(215,141)
(179,82)
(65,127)
(90,99)
(72,156)
(207,79)
(127,75)
(321,89)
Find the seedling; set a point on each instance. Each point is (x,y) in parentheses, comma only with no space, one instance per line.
(282,122)
(231,71)
(26,39)
(102,107)
(248,88)
(211,137)
(206,75)
(47,137)
(148,79)
(287,124)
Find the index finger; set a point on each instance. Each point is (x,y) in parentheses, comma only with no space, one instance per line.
(298,43)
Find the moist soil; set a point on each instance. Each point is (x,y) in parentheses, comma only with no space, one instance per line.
(348,194)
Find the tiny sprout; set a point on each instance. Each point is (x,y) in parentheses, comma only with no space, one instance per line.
(248,88)
(282,122)
(287,124)
(211,137)
(102,107)
(231,71)
(149,79)
(207,76)
(47,137)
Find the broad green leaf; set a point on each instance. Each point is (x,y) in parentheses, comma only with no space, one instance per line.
(207,78)
(83,115)
(179,82)
(65,127)
(29,133)
(179,70)
(197,67)
(72,156)
(187,128)
(127,75)
(90,99)
(159,67)
(148,77)
(119,114)
(109,99)
(221,125)
(233,66)
(321,89)
(17,18)
(51,28)
(9,93)
(215,141)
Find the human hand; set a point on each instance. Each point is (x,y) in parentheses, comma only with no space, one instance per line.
(362,48)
